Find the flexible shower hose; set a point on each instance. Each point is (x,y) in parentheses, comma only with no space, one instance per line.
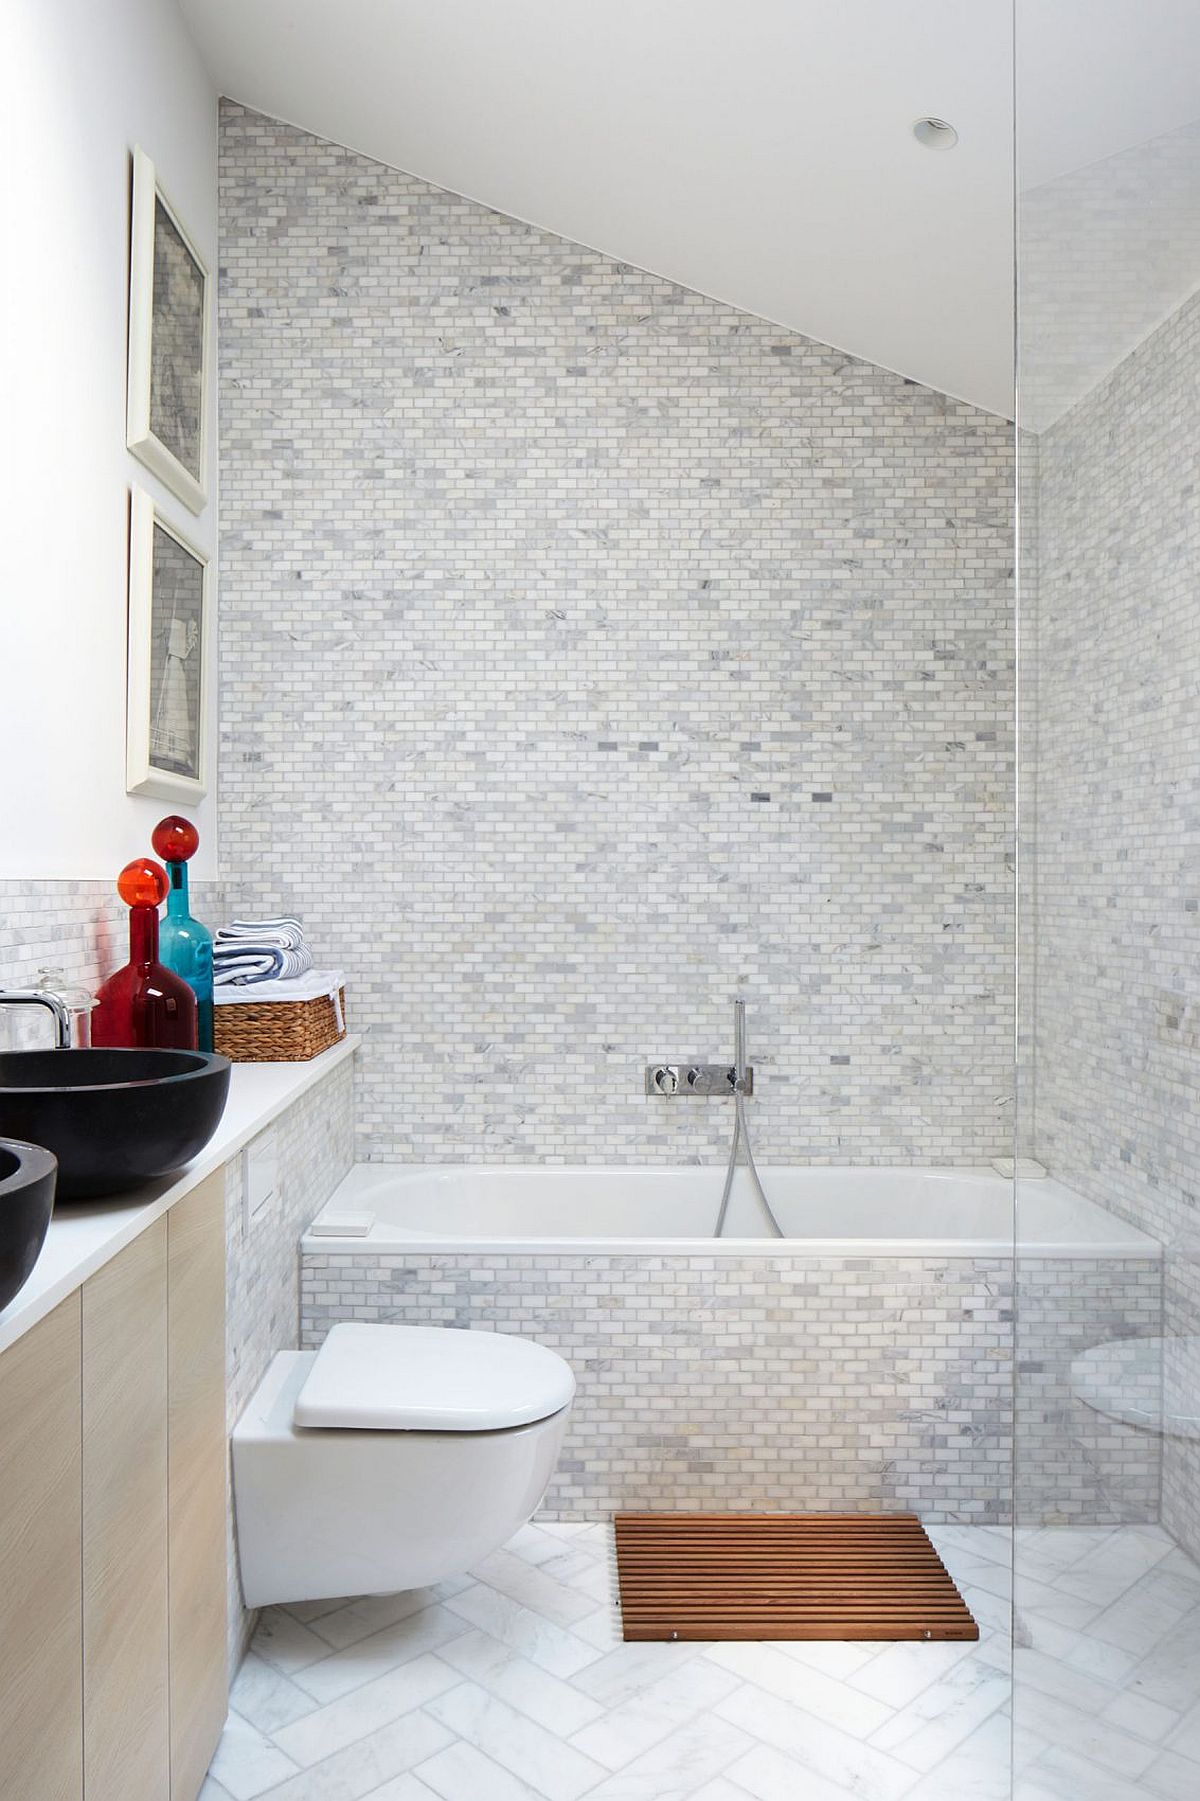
(741,1135)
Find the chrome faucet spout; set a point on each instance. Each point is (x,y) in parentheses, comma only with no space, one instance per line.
(53,1003)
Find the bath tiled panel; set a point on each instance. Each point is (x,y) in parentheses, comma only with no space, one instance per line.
(789,1382)
(606,652)
(1075,1466)
(1118,780)
(315,1139)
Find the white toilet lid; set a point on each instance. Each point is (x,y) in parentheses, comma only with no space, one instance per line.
(431,1379)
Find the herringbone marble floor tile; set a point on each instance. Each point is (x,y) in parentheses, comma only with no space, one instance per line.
(513,1684)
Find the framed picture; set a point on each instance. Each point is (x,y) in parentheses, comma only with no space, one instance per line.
(170,652)
(169,342)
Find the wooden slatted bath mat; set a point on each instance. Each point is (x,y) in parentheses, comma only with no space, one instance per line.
(784,1575)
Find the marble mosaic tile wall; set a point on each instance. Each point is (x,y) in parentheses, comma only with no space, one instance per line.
(315,1145)
(608,652)
(80,927)
(791,1381)
(1108,250)
(1118,771)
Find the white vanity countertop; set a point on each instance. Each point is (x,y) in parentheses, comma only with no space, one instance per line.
(84,1235)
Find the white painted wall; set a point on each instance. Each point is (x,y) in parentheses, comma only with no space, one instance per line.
(84,83)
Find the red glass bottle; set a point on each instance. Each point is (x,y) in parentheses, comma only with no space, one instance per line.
(144,1003)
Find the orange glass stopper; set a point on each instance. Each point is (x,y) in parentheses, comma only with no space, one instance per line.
(142,883)
(175,839)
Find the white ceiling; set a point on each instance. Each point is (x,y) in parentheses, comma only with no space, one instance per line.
(761,151)
(757,150)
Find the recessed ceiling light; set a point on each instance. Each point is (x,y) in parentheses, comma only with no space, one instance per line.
(935,134)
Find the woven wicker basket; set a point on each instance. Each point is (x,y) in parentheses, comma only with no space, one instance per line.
(278,1031)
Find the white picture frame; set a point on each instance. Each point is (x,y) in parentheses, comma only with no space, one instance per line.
(170,343)
(169,670)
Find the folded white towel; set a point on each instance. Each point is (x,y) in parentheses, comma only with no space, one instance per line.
(315,984)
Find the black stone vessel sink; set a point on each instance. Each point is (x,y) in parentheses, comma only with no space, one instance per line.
(112,1118)
(26,1202)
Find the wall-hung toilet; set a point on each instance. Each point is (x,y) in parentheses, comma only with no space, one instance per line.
(392,1457)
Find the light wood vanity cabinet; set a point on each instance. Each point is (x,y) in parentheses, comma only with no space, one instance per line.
(41,1619)
(196,1483)
(125,1725)
(112,1525)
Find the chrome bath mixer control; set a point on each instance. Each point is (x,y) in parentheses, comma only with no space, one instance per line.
(698,1078)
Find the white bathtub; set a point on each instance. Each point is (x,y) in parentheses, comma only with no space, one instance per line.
(598,1210)
(864,1361)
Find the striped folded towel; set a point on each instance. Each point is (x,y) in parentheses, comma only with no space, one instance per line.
(260,950)
(260,963)
(286,933)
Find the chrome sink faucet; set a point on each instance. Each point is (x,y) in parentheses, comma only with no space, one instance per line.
(53,1003)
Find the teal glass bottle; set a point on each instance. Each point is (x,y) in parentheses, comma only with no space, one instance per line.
(184,945)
